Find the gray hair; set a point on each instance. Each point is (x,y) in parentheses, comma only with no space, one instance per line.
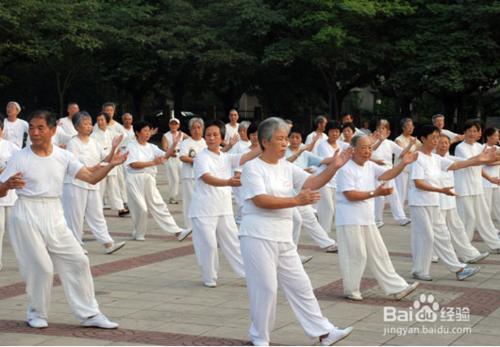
(356,138)
(127,114)
(436,116)
(268,127)
(79,117)
(15,103)
(405,121)
(196,120)
(319,119)
(244,125)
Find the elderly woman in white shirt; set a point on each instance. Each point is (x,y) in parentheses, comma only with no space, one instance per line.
(211,209)
(142,192)
(82,200)
(269,253)
(491,175)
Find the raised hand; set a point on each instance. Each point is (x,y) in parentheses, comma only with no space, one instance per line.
(382,190)
(448,191)
(233,140)
(409,158)
(116,141)
(159,160)
(16,181)
(234,182)
(154,131)
(118,158)
(307,197)
(340,159)
(488,155)
(413,140)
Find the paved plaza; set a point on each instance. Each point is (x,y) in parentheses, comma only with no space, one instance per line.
(154,290)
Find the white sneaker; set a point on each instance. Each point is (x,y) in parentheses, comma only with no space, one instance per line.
(115,247)
(435,259)
(210,285)
(305,258)
(331,249)
(38,323)
(335,336)
(406,292)
(183,234)
(380,224)
(354,297)
(404,222)
(99,321)
(139,238)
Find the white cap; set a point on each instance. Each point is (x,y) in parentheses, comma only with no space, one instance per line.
(173,119)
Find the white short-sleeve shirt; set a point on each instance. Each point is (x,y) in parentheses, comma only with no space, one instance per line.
(89,154)
(210,200)
(14,131)
(428,168)
(190,148)
(105,141)
(493,171)
(44,176)
(230,131)
(280,180)
(142,153)
(310,138)
(468,181)
(447,179)
(325,150)
(7,150)
(385,151)
(354,177)
(67,125)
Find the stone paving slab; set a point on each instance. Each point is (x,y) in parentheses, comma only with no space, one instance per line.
(153,289)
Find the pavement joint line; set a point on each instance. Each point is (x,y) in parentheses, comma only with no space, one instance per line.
(120,335)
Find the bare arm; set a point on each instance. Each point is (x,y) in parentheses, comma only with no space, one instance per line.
(487,156)
(98,173)
(14,182)
(422,185)
(407,159)
(314,182)
(220,182)
(356,195)
(305,197)
(250,155)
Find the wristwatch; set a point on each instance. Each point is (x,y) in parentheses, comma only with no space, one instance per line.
(371,194)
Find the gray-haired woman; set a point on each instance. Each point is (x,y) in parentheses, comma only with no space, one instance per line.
(269,253)
(82,200)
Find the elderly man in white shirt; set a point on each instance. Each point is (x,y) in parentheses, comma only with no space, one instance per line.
(66,123)
(439,121)
(14,128)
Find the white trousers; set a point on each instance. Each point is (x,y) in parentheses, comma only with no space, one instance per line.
(402,186)
(173,170)
(461,243)
(326,208)
(208,232)
(362,244)
(475,215)
(110,188)
(303,216)
(84,204)
(144,197)
(187,193)
(428,235)
(43,243)
(269,264)
(120,174)
(396,205)
(492,196)
(4,217)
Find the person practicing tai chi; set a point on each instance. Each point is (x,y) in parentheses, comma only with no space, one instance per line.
(211,209)
(491,175)
(359,240)
(14,128)
(471,203)
(404,141)
(318,135)
(173,165)
(7,149)
(81,200)
(143,194)
(38,231)
(269,254)
(450,219)
(187,152)
(423,197)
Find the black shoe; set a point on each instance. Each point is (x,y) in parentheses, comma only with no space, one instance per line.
(123,212)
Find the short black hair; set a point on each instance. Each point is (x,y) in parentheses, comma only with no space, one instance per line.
(488,132)
(253,128)
(141,125)
(333,124)
(425,130)
(43,114)
(105,115)
(216,123)
(107,104)
(472,123)
(349,125)
(295,130)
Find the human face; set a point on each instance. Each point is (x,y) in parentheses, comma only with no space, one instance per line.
(443,145)
(439,122)
(85,127)
(472,134)
(196,131)
(321,125)
(493,139)
(347,119)
(72,109)
(213,138)
(430,142)
(109,110)
(233,117)
(383,131)
(173,126)
(40,133)
(127,121)
(101,122)
(243,134)
(348,133)
(363,150)
(276,147)
(295,140)
(12,110)
(143,135)
(254,139)
(408,128)
(333,135)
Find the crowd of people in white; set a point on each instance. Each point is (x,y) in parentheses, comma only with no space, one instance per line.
(71,169)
